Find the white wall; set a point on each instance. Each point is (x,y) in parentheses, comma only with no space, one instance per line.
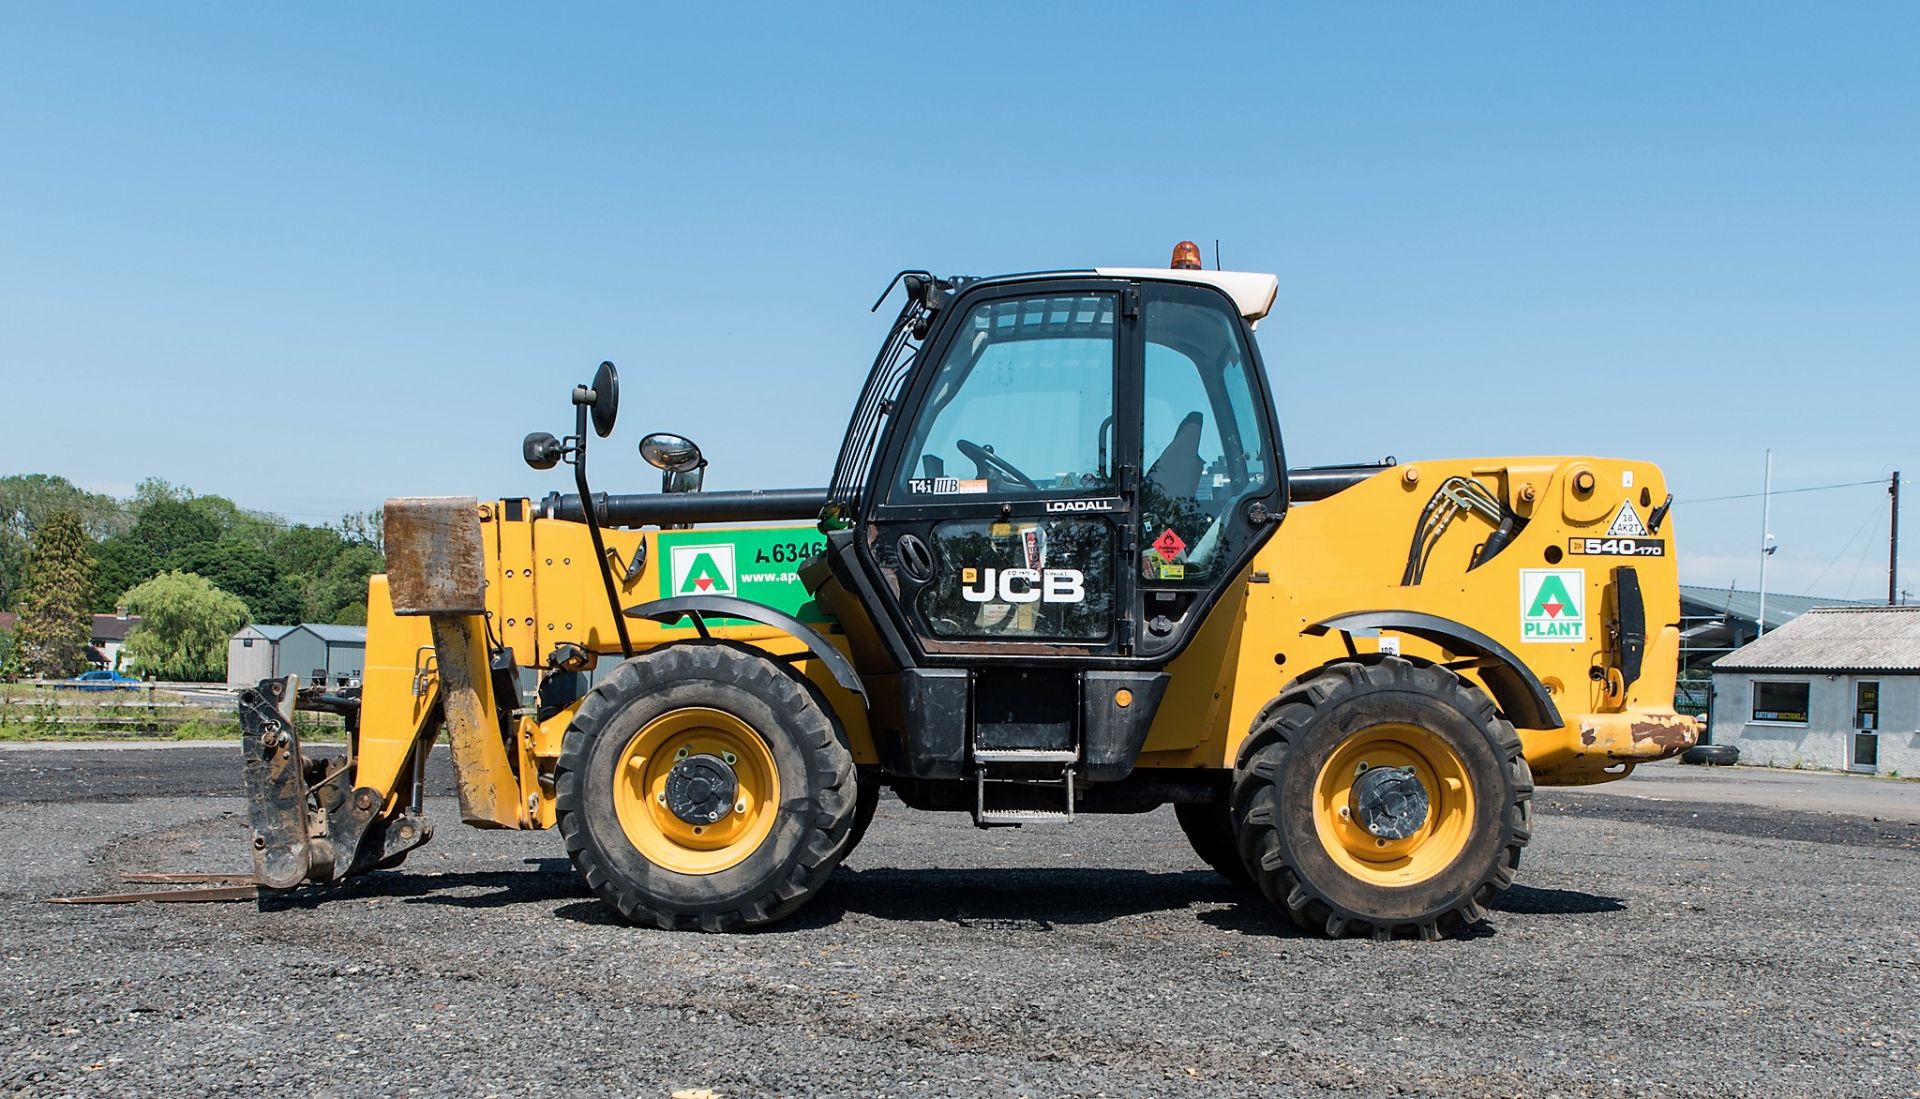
(1826,740)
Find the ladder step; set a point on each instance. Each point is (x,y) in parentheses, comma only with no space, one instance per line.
(1024,816)
(1025,755)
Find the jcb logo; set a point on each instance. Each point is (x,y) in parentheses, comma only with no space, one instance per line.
(1023,585)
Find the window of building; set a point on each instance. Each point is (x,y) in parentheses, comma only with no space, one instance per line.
(1781,702)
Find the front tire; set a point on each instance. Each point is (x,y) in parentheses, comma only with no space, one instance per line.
(1421,847)
(703,785)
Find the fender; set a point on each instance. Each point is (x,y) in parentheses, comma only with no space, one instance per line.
(1521,695)
(698,607)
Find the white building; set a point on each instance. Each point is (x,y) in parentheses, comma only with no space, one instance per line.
(1837,688)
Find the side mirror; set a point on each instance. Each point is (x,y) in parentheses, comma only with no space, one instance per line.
(602,398)
(541,450)
(687,480)
(671,453)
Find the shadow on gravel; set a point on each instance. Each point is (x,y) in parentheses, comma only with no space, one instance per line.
(482,889)
(1527,900)
(999,899)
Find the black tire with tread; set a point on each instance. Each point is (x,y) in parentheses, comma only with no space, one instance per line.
(1209,828)
(817,788)
(866,803)
(1299,730)
(1713,755)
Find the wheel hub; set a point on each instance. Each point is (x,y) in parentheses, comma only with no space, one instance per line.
(700,789)
(1390,802)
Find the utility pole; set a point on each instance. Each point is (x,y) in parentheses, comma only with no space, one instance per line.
(1766,527)
(1893,542)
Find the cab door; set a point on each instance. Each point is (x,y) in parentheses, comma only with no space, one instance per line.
(1003,509)
(1210,489)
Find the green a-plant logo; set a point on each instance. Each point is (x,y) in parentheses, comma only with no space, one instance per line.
(703,570)
(1553,605)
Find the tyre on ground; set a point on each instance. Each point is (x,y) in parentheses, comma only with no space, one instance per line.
(1713,755)
(706,786)
(1382,798)
(1209,828)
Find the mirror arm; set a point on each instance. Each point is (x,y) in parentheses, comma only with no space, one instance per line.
(587,511)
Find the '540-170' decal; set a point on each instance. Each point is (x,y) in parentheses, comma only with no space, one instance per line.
(1617,547)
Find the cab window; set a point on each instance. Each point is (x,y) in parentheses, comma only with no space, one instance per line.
(1022,403)
(1203,440)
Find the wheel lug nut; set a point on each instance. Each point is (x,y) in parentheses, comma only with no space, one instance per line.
(1362,769)
(740,806)
(1346,813)
(681,754)
(730,758)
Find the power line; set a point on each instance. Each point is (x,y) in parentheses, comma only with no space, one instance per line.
(1780,492)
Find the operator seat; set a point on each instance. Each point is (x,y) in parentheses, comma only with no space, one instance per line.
(1176,473)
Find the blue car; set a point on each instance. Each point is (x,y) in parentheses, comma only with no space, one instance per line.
(105,679)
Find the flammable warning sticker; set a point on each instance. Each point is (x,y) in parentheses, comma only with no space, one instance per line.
(1626,523)
(760,566)
(1553,605)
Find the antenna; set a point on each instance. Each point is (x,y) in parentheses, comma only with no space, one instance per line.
(1216,253)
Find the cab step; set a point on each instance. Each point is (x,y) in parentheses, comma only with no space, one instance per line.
(986,816)
(1025,755)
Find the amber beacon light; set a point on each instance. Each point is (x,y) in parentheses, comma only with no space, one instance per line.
(1186,256)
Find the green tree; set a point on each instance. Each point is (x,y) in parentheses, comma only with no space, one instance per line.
(336,592)
(26,499)
(185,622)
(257,528)
(366,528)
(165,529)
(302,550)
(56,620)
(241,568)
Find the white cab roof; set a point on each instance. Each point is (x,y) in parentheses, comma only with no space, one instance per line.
(1252,293)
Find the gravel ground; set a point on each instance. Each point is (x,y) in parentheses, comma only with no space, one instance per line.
(1651,948)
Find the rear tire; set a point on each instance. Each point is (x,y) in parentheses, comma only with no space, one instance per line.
(1301,767)
(1209,828)
(866,803)
(1713,755)
(769,852)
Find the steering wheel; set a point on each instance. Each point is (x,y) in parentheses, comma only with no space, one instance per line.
(985,461)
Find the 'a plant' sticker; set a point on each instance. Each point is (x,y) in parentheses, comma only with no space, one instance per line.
(1553,605)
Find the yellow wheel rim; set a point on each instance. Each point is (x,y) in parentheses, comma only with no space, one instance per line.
(640,791)
(1433,845)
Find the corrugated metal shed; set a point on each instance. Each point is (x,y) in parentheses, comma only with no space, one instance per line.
(334,635)
(1696,601)
(1835,639)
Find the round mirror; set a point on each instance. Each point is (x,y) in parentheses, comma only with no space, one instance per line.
(673,453)
(541,450)
(606,399)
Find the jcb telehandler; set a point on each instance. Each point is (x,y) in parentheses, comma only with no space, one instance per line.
(1061,569)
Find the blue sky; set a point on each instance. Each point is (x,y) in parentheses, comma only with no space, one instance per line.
(309,258)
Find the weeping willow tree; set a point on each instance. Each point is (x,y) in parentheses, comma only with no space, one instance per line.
(184,625)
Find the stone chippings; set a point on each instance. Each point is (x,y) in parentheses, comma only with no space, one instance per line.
(1648,949)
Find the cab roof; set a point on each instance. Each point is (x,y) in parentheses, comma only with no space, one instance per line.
(1252,293)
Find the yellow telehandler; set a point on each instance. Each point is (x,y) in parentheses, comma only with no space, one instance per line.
(1061,569)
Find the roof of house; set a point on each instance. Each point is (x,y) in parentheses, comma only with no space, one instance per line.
(335,635)
(113,627)
(1745,605)
(271,633)
(1835,639)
